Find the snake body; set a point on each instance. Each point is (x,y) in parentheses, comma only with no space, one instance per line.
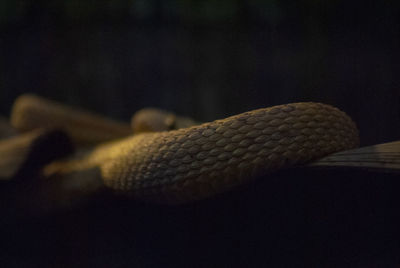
(84,128)
(200,161)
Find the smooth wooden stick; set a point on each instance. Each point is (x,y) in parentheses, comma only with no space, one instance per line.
(85,128)
(384,157)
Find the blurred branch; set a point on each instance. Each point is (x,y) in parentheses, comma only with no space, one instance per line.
(385,157)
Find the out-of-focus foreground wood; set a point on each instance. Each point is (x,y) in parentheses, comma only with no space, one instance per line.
(30,112)
(385,157)
(24,155)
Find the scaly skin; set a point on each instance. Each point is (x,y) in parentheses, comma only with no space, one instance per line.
(200,161)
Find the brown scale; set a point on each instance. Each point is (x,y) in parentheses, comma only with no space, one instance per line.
(193,162)
(200,161)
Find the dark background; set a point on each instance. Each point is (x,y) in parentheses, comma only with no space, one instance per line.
(206,59)
(210,59)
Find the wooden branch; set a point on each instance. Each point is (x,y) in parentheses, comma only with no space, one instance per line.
(384,157)
(25,154)
(85,128)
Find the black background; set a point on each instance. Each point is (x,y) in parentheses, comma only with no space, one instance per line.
(208,60)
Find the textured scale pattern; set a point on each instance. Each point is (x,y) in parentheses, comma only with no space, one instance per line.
(200,161)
